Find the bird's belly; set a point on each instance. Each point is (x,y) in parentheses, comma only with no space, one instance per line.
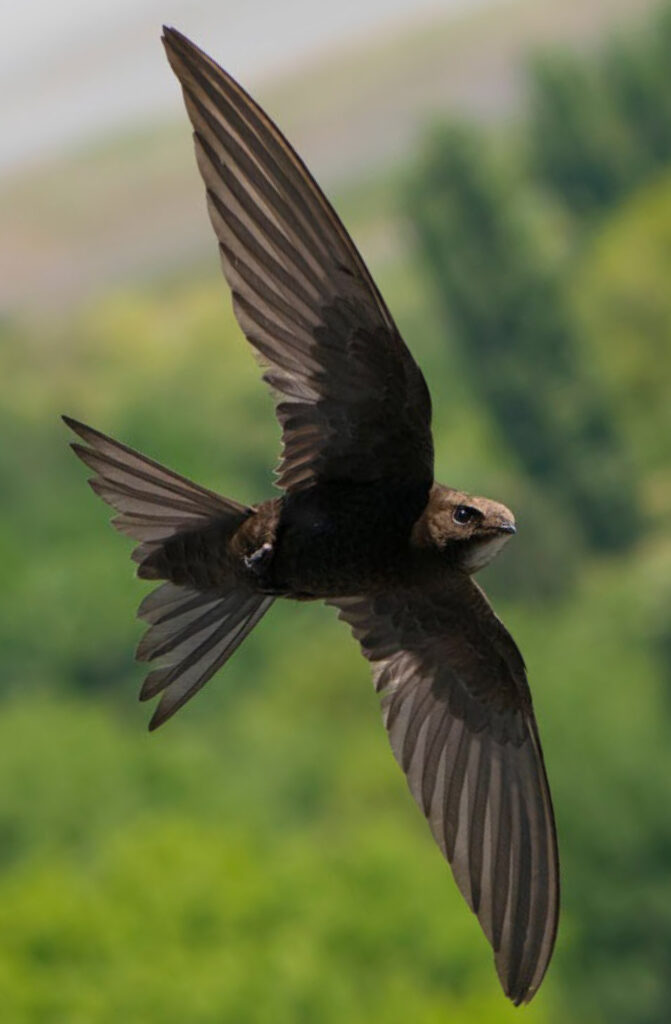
(327,560)
(342,540)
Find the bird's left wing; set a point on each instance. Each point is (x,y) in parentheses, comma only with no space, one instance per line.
(352,402)
(458,711)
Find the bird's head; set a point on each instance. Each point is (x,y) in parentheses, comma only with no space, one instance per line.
(469,530)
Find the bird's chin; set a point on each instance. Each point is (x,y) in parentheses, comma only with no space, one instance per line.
(483,551)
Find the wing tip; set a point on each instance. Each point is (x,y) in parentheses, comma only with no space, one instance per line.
(518,995)
(170,35)
(523,996)
(521,986)
(176,43)
(166,710)
(92,437)
(163,710)
(76,426)
(155,722)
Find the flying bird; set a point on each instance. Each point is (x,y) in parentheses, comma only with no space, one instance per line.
(361,524)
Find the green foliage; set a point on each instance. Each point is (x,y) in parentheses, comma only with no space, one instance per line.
(572,358)
(601,126)
(580,148)
(260,860)
(623,298)
(503,297)
(173,913)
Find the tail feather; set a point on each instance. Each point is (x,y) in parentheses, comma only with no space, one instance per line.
(164,603)
(154,503)
(195,639)
(181,632)
(192,632)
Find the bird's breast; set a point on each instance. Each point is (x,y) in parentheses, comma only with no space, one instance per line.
(341,539)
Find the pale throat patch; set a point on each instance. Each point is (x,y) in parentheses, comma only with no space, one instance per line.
(482,553)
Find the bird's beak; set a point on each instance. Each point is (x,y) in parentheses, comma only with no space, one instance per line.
(507,526)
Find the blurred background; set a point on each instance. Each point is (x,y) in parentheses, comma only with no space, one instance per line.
(505,168)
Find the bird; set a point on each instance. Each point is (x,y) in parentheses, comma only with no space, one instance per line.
(361,524)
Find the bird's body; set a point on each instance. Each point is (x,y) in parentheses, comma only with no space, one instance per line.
(361,524)
(329,541)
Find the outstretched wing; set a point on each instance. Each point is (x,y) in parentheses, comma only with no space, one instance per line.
(458,711)
(352,402)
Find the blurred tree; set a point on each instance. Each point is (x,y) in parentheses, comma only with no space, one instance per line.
(578,147)
(502,295)
(624,308)
(638,83)
(600,125)
(542,564)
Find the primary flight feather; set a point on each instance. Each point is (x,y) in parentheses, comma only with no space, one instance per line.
(361,524)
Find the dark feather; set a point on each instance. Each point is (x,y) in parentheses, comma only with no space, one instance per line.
(355,414)
(351,400)
(192,635)
(153,502)
(461,725)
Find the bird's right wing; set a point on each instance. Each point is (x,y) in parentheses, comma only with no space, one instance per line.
(459,716)
(352,402)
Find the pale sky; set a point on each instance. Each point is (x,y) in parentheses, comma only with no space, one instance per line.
(73,69)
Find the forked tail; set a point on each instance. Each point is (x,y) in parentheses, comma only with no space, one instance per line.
(193,629)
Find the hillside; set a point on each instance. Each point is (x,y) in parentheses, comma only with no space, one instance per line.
(133,207)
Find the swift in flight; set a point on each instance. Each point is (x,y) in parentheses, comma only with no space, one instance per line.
(361,524)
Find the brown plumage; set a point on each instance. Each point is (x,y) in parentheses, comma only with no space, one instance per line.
(361,523)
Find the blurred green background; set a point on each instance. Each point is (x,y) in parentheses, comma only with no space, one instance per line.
(506,170)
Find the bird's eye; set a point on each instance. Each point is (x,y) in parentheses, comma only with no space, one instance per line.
(464,514)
